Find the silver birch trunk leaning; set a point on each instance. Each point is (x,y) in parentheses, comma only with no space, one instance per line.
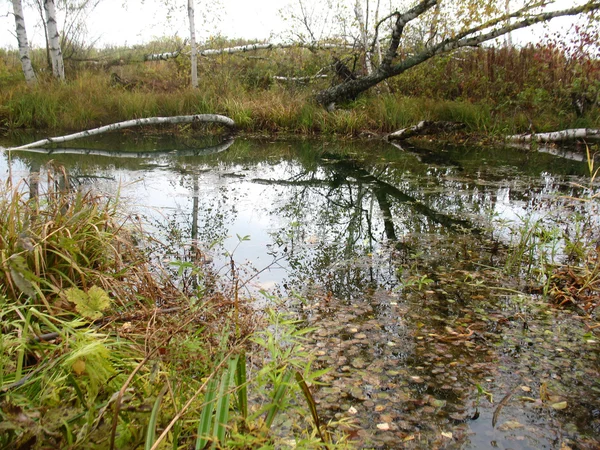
(23,43)
(213,118)
(194,55)
(58,66)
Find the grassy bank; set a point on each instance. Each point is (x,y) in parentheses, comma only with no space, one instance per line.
(100,349)
(491,91)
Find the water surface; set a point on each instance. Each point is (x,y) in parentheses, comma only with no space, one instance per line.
(397,254)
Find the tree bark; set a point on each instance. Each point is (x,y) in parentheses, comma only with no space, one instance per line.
(194,55)
(58,66)
(245,48)
(23,43)
(557,136)
(214,118)
(470,37)
(364,36)
(424,127)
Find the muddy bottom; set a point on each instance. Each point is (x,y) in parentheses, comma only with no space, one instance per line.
(456,356)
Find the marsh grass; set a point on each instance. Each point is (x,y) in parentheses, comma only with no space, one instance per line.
(554,247)
(494,91)
(99,349)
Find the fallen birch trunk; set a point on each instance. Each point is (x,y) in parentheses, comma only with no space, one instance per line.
(210,118)
(557,136)
(424,127)
(298,79)
(246,48)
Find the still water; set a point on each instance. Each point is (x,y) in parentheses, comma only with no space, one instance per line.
(396,254)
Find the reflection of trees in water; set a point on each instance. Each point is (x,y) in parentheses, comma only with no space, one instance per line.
(342,216)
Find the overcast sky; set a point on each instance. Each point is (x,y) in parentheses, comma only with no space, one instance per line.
(112,23)
(141,20)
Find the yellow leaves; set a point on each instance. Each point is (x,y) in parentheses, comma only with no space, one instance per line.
(91,304)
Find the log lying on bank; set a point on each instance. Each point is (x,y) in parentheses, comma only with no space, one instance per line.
(556,136)
(208,118)
(424,127)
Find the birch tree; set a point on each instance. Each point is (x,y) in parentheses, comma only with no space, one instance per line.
(58,67)
(194,54)
(465,23)
(23,42)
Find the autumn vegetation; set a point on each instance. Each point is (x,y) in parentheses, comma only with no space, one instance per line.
(101,347)
(493,90)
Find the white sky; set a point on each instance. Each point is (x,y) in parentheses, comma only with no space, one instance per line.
(141,20)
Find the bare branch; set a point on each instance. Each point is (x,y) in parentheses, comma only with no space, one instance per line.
(401,22)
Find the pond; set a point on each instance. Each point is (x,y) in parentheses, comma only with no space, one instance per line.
(436,330)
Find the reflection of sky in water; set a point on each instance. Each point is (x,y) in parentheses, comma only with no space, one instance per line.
(322,228)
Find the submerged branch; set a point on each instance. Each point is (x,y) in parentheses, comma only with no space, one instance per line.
(209,118)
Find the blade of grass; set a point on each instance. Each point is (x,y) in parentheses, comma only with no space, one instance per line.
(282,388)
(240,380)
(151,431)
(312,405)
(222,408)
(205,423)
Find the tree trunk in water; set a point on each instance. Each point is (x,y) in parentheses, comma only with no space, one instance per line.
(23,43)
(58,67)
(194,56)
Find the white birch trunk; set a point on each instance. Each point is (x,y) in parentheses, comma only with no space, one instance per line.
(23,43)
(214,118)
(556,136)
(58,67)
(364,37)
(299,79)
(162,56)
(194,56)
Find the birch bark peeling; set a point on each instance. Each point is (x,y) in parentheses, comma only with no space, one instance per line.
(23,43)
(557,136)
(209,118)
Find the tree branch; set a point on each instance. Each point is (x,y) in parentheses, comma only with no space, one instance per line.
(401,22)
